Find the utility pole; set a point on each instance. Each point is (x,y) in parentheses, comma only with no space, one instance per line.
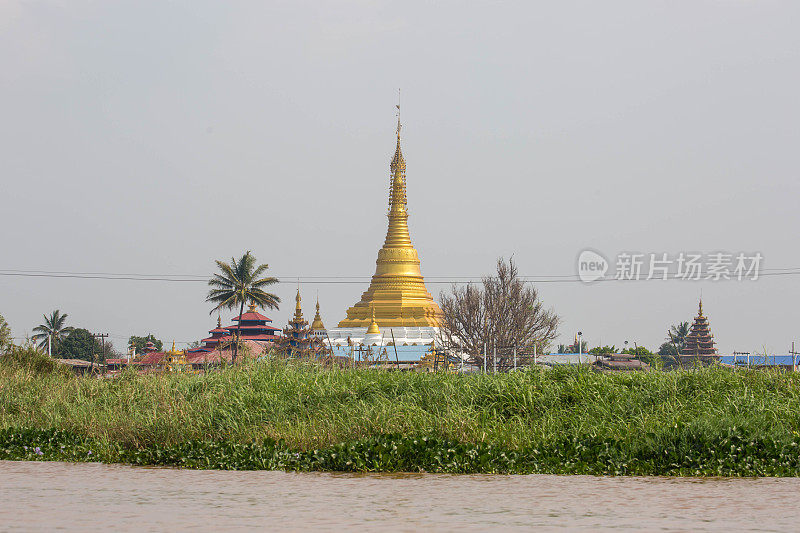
(794,358)
(102,337)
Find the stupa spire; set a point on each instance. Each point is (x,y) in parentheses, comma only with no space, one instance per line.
(397,235)
(397,295)
(317,324)
(298,310)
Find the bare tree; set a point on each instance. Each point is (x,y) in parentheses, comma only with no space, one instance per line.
(502,312)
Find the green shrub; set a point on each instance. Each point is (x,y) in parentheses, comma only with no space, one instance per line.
(32,360)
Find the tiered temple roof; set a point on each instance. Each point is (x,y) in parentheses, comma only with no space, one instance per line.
(298,337)
(254,327)
(699,341)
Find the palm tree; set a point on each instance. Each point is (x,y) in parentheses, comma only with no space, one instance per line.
(677,335)
(53,329)
(238,283)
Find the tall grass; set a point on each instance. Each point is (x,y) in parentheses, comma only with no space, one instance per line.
(309,407)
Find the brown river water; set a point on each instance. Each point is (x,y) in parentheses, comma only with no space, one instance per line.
(45,496)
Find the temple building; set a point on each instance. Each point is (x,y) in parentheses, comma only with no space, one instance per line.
(699,341)
(215,339)
(255,327)
(298,338)
(397,300)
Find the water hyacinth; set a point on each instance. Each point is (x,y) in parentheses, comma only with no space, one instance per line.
(691,453)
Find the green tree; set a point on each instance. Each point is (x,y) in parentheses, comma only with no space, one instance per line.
(5,336)
(54,328)
(79,344)
(676,339)
(639,351)
(141,342)
(667,348)
(238,283)
(603,350)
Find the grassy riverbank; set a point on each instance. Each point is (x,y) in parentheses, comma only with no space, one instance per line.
(298,416)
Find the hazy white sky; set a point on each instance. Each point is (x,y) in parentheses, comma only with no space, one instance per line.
(154,137)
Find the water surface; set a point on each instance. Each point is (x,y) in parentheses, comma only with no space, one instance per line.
(46,496)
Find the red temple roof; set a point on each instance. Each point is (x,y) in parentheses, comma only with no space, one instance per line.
(254,316)
(152,358)
(226,338)
(245,328)
(215,356)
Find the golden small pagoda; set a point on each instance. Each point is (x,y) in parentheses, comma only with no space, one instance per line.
(317,326)
(373,328)
(175,361)
(397,296)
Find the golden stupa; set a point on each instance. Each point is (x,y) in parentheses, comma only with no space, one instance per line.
(397,296)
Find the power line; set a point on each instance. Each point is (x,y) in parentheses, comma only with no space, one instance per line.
(449,280)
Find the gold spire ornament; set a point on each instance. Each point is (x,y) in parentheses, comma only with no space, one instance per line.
(396,296)
(298,310)
(317,324)
(373,326)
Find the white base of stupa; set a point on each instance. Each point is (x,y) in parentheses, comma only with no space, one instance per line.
(402,336)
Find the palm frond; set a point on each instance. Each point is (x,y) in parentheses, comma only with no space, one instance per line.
(240,282)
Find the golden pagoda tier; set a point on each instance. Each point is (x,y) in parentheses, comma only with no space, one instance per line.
(396,295)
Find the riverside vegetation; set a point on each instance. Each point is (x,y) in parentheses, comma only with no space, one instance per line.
(279,414)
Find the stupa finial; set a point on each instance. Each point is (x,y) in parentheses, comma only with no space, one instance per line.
(398,165)
(373,325)
(298,310)
(399,125)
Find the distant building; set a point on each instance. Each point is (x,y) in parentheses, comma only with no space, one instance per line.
(299,339)
(254,327)
(699,341)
